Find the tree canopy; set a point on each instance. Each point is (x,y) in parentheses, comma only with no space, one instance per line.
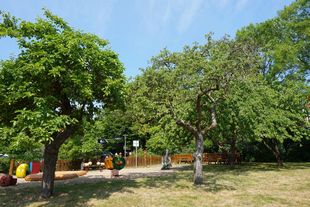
(60,78)
(187,86)
(226,93)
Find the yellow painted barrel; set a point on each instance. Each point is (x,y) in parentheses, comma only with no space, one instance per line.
(21,170)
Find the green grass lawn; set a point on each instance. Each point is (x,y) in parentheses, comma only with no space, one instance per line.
(244,185)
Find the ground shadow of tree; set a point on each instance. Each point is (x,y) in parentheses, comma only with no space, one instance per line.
(79,194)
(244,167)
(68,193)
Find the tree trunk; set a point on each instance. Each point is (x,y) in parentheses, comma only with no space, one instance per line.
(198,156)
(166,165)
(233,150)
(273,146)
(50,159)
(277,154)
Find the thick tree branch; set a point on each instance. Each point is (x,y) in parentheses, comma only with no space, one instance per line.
(213,119)
(82,111)
(187,126)
(181,122)
(199,112)
(267,145)
(206,91)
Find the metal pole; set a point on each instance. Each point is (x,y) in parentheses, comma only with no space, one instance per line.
(125,136)
(136,157)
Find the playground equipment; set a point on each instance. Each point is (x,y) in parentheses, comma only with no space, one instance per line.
(22,170)
(118,163)
(108,162)
(34,167)
(114,164)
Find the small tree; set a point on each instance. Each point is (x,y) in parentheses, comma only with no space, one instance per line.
(60,77)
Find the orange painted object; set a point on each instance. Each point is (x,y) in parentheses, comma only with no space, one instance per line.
(108,162)
(59,175)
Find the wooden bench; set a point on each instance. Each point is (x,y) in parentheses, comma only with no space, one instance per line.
(220,158)
(217,158)
(188,158)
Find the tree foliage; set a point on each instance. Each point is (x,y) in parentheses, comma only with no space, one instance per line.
(187,86)
(280,103)
(60,77)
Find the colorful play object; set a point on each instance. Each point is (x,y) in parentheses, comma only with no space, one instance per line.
(34,167)
(22,170)
(7,180)
(108,162)
(119,163)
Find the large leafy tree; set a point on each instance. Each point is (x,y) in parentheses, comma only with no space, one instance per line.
(187,86)
(283,43)
(257,111)
(60,78)
(278,114)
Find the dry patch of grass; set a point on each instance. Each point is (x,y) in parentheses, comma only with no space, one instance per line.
(245,185)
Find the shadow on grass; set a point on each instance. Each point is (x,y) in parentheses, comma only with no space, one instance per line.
(245,167)
(72,194)
(81,193)
(252,167)
(68,193)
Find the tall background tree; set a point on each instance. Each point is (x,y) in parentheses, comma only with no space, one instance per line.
(284,44)
(60,78)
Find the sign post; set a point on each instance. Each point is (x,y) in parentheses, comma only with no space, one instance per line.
(136,145)
(125,145)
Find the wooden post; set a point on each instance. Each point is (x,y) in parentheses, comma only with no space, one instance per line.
(145,163)
(12,162)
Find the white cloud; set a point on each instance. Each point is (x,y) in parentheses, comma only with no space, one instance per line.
(190,10)
(86,14)
(221,3)
(236,5)
(240,5)
(157,15)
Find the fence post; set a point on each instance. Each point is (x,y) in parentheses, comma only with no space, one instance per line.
(145,164)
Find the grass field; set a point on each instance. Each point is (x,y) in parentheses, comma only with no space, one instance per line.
(244,185)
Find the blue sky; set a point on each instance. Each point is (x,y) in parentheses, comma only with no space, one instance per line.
(139,29)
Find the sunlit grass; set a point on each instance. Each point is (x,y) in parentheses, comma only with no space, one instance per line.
(245,185)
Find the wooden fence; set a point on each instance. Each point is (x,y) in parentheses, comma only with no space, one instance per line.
(178,158)
(209,158)
(147,160)
(66,165)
